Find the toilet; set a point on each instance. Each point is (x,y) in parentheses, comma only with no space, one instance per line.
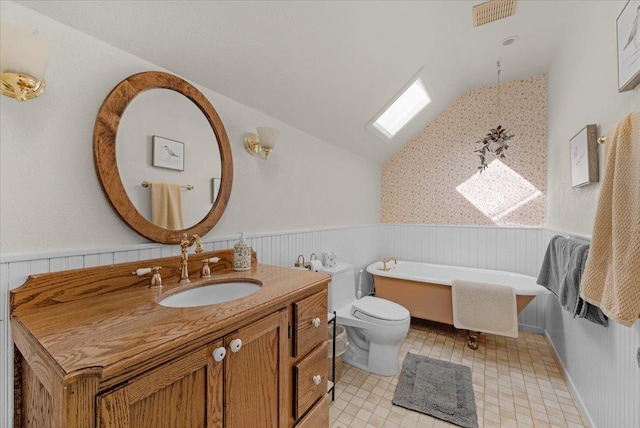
(374,326)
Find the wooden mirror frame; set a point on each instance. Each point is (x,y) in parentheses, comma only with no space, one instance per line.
(104,153)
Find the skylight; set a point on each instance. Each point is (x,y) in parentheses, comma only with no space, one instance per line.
(402,110)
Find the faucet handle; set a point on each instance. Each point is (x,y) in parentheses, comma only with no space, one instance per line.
(206,270)
(156,279)
(141,271)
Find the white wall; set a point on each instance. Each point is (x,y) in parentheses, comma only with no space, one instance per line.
(50,197)
(582,90)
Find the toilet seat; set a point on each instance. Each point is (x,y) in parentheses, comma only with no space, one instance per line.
(379,311)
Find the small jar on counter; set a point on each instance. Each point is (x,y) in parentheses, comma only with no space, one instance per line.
(242,255)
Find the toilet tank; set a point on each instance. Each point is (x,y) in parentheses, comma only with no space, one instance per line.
(342,288)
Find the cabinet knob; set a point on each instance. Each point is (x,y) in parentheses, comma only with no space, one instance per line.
(219,354)
(316,322)
(235,345)
(317,379)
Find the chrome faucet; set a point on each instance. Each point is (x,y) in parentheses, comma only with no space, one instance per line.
(384,264)
(185,243)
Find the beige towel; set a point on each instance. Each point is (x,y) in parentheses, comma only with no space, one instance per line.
(611,278)
(166,205)
(489,308)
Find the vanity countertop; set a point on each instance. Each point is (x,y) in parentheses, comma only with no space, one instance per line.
(105,321)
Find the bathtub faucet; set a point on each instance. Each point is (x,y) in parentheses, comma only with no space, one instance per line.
(384,264)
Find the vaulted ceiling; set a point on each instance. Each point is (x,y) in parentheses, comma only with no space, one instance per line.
(326,67)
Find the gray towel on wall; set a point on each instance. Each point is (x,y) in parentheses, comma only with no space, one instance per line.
(561,272)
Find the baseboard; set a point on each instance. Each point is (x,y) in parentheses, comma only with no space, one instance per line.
(531,328)
(572,388)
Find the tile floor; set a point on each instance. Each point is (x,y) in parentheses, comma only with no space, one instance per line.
(516,382)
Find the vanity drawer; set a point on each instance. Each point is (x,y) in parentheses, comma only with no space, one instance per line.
(310,323)
(305,374)
(318,417)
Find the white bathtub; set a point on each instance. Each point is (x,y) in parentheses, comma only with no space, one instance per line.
(425,289)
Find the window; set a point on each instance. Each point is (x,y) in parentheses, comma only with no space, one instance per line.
(405,107)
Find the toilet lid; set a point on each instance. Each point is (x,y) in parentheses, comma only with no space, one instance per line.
(377,308)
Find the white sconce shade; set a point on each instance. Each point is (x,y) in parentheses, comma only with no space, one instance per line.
(263,143)
(24,57)
(268,136)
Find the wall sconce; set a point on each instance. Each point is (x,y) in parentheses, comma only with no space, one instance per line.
(24,56)
(263,143)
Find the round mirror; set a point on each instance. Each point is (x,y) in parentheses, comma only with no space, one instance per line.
(163,157)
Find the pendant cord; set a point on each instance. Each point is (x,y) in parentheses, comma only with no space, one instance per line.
(499,114)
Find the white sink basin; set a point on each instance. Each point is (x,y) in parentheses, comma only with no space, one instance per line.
(210,294)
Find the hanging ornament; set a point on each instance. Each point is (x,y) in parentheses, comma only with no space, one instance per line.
(495,142)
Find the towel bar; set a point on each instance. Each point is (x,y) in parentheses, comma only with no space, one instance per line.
(184,186)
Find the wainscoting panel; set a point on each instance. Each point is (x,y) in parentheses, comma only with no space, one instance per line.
(601,363)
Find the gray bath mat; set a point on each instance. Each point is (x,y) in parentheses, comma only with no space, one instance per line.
(437,388)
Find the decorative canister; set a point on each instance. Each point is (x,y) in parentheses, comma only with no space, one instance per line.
(330,259)
(242,255)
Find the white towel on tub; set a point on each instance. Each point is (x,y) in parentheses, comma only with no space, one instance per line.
(489,308)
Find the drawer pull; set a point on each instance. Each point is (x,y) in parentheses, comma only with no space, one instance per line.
(317,379)
(235,345)
(219,354)
(316,322)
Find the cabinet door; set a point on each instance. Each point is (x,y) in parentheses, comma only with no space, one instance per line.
(185,393)
(256,375)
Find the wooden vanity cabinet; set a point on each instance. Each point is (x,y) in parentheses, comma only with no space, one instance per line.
(197,391)
(93,348)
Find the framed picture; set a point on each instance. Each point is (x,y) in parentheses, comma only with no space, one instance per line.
(168,153)
(628,28)
(584,157)
(215,188)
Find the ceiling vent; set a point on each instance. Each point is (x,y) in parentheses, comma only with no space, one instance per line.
(493,10)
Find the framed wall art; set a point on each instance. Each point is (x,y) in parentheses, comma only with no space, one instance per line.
(628,29)
(584,157)
(168,153)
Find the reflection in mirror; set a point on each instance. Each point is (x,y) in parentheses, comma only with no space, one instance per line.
(191,149)
(164,138)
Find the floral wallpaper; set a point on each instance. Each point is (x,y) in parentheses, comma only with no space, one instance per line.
(435,178)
